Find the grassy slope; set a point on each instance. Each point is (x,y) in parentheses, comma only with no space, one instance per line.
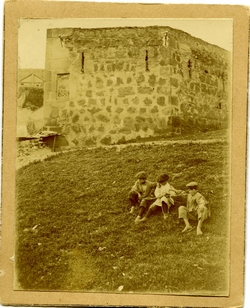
(74,231)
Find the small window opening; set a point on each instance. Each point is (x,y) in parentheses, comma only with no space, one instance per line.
(218,106)
(190,69)
(146,60)
(82,62)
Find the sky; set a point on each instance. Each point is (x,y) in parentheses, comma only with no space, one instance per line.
(32,32)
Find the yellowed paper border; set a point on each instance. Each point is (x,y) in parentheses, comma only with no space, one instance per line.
(48,9)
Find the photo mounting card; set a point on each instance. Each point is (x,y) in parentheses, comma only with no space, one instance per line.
(95,93)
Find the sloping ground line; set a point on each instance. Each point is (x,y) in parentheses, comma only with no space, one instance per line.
(118,147)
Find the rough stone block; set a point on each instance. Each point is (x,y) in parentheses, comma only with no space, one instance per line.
(101,93)
(162,82)
(71,104)
(106,140)
(75,118)
(166,111)
(172,62)
(155,109)
(119,81)
(125,101)
(90,141)
(119,110)
(172,42)
(81,103)
(129,80)
(140,78)
(119,66)
(163,90)
(94,110)
(89,93)
(128,122)
(152,80)
(142,110)
(91,129)
(147,101)
(174,100)
(99,82)
(203,87)
(135,101)
(165,52)
(164,71)
(76,128)
(174,82)
(161,101)
(92,102)
(101,129)
(109,82)
(145,90)
(131,110)
(111,52)
(124,91)
(103,118)
(140,119)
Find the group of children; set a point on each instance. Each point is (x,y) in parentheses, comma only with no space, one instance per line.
(150,196)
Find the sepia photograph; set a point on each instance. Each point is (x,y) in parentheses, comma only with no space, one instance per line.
(123,155)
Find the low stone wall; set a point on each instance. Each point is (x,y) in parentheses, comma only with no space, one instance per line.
(26,147)
(105,86)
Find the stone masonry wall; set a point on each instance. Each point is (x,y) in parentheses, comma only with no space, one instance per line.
(104,86)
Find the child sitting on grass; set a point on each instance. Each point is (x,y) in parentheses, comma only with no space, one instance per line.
(196,209)
(142,193)
(163,194)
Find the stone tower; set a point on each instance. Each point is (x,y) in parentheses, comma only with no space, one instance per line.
(110,85)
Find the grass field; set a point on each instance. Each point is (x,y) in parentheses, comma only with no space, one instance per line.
(74,232)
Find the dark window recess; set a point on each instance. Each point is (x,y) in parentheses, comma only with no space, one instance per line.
(189,69)
(82,62)
(146,60)
(62,86)
(218,106)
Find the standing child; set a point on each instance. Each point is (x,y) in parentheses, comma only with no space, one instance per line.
(196,209)
(142,193)
(163,193)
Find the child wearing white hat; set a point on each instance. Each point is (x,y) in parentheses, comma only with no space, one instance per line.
(164,193)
